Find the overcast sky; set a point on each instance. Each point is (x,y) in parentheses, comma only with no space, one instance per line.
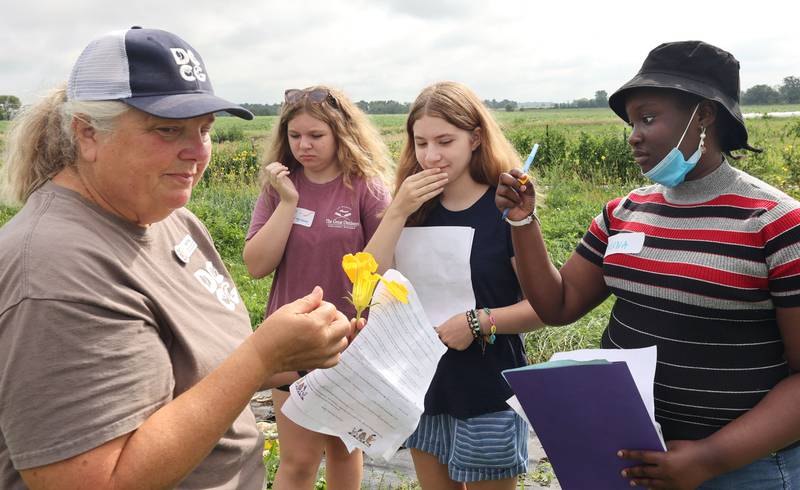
(524,50)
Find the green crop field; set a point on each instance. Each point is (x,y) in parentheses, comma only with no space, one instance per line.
(583,162)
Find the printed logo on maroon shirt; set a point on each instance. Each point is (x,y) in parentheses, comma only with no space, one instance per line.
(342,219)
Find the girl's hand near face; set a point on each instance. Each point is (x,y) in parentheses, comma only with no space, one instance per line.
(416,190)
(413,193)
(278,178)
(455,332)
(520,200)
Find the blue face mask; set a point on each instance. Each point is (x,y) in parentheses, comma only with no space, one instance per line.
(672,169)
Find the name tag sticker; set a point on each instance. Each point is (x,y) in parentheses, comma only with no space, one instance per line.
(185,249)
(303,217)
(625,243)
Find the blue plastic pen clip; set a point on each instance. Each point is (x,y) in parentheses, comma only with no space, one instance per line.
(525,169)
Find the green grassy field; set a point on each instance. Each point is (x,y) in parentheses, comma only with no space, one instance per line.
(582,164)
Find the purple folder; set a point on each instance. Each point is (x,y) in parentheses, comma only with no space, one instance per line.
(583,413)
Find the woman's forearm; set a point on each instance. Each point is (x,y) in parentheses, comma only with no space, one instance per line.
(540,281)
(384,240)
(772,424)
(172,441)
(264,251)
(516,318)
(558,297)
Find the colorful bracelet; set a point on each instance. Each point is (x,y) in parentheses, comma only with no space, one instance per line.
(491,337)
(473,323)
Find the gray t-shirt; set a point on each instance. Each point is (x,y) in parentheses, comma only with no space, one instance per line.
(102,323)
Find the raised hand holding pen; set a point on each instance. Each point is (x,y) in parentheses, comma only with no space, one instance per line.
(515,194)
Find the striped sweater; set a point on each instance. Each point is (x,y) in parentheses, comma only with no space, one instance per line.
(719,255)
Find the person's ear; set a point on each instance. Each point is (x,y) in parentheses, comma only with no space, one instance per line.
(707,113)
(475,138)
(85,137)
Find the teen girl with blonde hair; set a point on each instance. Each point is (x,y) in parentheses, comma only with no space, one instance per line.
(323,195)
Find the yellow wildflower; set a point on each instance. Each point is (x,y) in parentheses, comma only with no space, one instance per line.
(361,270)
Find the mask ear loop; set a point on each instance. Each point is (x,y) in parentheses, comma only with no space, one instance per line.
(687,126)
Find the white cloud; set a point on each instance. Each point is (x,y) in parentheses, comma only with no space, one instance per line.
(516,49)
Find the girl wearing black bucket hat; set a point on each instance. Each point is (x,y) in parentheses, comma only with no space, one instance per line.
(704,264)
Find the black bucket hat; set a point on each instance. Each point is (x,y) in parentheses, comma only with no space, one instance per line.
(697,68)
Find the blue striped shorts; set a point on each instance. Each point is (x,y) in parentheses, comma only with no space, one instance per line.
(493,446)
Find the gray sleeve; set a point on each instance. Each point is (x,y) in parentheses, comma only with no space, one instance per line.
(75,376)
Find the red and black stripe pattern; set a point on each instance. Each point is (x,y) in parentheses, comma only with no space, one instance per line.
(719,255)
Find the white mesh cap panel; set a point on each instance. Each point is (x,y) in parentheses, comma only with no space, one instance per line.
(101,72)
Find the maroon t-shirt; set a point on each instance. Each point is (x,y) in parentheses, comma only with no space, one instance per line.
(343,221)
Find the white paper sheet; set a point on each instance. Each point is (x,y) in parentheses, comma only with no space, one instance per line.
(436,260)
(374,397)
(641,363)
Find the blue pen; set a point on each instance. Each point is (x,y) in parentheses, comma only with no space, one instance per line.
(525,169)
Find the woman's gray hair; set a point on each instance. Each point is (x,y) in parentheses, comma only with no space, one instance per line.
(41,142)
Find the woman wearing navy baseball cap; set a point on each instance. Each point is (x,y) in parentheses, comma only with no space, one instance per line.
(704,264)
(126,354)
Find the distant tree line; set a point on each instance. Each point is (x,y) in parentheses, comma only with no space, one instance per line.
(786,93)
(502,105)
(263,109)
(383,107)
(600,100)
(373,107)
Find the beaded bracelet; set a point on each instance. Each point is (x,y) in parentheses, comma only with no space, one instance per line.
(473,323)
(491,337)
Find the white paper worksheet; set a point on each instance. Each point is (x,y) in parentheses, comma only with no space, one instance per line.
(436,260)
(374,397)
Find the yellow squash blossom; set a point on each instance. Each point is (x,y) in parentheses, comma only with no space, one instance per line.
(361,270)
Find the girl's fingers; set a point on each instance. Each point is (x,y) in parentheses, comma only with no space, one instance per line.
(426,173)
(507,195)
(433,181)
(511,179)
(649,457)
(441,176)
(430,195)
(429,188)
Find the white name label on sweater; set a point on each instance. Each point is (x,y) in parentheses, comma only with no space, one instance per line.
(625,243)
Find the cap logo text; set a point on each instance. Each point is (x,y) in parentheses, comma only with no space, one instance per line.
(188,65)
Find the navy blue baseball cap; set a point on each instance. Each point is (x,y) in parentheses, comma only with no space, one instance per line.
(152,70)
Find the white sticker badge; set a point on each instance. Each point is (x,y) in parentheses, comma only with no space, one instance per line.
(625,243)
(303,217)
(185,249)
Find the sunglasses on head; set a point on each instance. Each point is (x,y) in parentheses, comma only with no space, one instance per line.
(315,95)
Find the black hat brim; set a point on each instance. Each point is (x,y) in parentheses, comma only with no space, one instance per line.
(665,80)
(185,106)
(674,82)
